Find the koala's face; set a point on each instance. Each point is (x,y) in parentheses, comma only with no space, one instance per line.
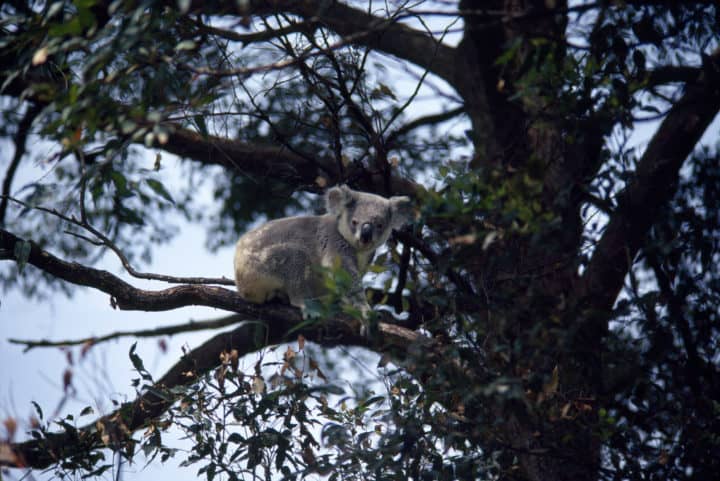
(366,220)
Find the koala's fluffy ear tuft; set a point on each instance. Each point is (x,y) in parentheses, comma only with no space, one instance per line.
(402,211)
(337,198)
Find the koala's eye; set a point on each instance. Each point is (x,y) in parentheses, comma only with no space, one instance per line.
(354,223)
(379,225)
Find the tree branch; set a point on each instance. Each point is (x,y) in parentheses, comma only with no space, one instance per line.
(41,453)
(104,241)
(671,74)
(190,326)
(654,184)
(279,163)
(127,297)
(23,129)
(259,36)
(382,34)
(421,122)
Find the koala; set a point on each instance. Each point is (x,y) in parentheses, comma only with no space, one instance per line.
(280,259)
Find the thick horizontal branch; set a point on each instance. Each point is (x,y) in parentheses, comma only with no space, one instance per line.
(652,187)
(127,297)
(277,162)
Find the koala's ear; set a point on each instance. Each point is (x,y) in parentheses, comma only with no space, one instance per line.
(337,198)
(402,211)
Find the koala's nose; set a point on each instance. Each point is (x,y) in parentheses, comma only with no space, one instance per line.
(366,232)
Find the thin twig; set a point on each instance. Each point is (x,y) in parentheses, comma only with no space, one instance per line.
(419,245)
(123,258)
(160,331)
(420,83)
(261,36)
(279,65)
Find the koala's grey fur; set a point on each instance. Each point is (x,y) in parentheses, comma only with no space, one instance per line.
(280,259)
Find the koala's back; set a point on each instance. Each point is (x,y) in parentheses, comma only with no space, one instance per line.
(280,259)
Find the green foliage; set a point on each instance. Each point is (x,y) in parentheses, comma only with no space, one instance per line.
(239,209)
(22,254)
(286,419)
(139,366)
(341,288)
(82,456)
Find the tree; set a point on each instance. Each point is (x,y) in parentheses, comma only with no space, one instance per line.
(556,300)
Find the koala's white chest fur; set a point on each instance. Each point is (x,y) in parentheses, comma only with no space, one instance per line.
(281,259)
